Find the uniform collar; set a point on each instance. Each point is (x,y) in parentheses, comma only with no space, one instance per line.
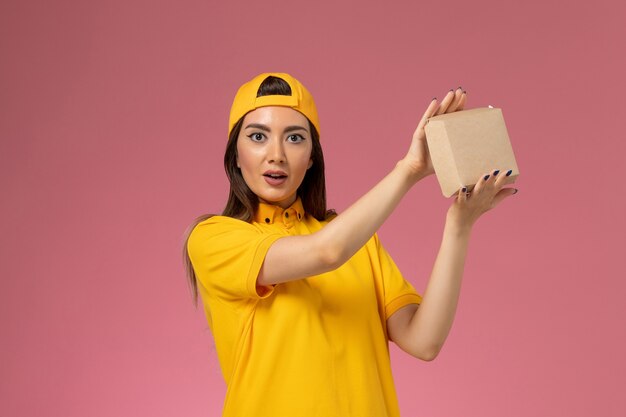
(268,213)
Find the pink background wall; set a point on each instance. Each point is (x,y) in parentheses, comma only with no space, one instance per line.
(113,123)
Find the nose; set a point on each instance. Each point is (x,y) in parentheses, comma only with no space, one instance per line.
(276,151)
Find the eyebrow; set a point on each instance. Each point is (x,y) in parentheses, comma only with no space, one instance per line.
(267,129)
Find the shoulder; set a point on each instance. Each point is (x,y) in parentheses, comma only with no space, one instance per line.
(220,229)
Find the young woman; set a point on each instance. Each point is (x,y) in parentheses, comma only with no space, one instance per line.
(303,302)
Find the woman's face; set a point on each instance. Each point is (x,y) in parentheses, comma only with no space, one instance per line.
(274,153)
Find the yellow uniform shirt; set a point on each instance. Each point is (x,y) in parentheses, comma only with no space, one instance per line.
(311,347)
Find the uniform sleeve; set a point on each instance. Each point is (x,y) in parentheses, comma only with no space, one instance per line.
(398,292)
(227,255)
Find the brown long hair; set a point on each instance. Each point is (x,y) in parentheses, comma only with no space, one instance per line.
(242,202)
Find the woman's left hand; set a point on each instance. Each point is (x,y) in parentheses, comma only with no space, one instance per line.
(418,157)
(487,194)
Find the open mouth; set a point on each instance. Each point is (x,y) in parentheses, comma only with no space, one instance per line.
(275,176)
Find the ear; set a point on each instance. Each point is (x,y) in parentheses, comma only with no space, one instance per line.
(237,160)
(310,163)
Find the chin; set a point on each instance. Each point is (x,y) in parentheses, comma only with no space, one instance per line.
(278,200)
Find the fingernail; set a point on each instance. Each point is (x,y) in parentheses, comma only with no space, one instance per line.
(515,192)
(496,172)
(460,88)
(464,189)
(452,90)
(486,177)
(434,98)
(509,172)
(464,92)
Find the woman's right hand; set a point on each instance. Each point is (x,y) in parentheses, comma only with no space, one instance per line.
(417,158)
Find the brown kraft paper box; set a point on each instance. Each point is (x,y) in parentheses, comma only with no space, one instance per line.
(467,144)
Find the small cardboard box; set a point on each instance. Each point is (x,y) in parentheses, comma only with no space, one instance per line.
(467,144)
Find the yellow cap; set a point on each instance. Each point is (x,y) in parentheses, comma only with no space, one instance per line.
(246,99)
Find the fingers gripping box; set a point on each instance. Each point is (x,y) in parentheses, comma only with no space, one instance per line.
(467,144)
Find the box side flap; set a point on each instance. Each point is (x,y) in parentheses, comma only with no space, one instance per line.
(442,157)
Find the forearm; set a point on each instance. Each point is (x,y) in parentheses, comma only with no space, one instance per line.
(431,323)
(296,257)
(347,233)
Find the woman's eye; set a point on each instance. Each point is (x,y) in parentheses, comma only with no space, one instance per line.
(257,137)
(295,138)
